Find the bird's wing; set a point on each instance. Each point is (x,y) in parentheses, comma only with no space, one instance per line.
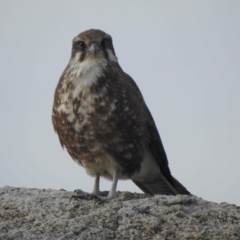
(139,133)
(129,133)
(166,183)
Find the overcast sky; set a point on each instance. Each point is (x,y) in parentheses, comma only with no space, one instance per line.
(185,58)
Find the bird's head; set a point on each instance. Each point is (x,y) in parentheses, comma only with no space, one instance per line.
(92,45)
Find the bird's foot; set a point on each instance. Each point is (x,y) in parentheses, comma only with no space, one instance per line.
(102,199)
(106,198)
(79,194)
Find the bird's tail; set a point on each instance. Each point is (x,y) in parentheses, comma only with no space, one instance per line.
(162,186)
(179,187)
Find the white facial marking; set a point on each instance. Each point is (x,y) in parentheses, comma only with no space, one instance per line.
(111,56)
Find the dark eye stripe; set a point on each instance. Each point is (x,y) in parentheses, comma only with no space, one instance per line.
(105,42)
(105,54)
(82,57)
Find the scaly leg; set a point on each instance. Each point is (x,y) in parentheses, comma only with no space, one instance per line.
(96,190)
(113,192)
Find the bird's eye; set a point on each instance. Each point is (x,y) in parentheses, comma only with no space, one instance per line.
(105,42)
(80,45)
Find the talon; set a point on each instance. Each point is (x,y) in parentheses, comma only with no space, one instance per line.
(100,197)
(79,194)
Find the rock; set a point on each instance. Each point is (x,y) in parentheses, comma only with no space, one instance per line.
(49,214)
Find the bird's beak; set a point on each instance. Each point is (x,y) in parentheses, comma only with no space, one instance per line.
(94,48)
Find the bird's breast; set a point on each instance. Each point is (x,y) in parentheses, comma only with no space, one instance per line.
(82,117)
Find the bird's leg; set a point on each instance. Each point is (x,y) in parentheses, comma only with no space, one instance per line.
(113,192)
(95,190)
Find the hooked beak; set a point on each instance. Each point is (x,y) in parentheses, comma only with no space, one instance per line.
(94,48)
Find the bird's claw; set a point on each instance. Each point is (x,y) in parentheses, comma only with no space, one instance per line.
(100,198)
(79,194)
(96,198)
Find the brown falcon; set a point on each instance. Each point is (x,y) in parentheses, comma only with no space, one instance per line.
(102,120)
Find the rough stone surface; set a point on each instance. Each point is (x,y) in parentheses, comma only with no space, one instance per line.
(48,214)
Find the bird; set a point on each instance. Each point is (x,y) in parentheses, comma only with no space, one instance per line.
(102,120)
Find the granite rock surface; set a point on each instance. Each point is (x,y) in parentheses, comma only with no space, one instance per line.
(49,214)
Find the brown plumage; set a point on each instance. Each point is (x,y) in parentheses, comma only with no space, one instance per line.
(102,120)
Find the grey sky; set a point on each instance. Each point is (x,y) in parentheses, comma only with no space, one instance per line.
(184,56)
